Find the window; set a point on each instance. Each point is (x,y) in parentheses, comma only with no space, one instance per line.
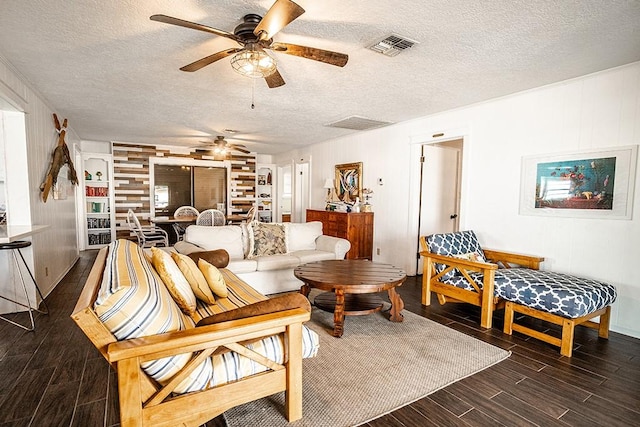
(175,185)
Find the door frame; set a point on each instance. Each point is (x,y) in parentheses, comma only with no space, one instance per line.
(416,142)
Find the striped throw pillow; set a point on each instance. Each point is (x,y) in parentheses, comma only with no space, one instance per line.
(133,302)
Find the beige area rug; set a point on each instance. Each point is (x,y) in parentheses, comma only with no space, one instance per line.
(377,366)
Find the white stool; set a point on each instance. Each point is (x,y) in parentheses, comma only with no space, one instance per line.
(15,247)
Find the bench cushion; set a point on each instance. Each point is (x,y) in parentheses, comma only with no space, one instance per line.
(461,244)
(558,293)
(134,302)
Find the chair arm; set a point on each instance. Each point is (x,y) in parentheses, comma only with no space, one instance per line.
(186,248)
(508,258)
(164,345)
(459,262)
(337,245)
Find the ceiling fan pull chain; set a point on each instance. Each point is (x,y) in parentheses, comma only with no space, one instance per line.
(253,90)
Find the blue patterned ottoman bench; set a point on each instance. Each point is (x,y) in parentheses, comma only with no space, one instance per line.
(456,268)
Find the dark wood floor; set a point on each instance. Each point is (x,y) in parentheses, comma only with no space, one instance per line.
(54,377)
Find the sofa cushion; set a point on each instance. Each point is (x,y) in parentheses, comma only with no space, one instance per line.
(243,265)
(452,244)
(133,302)
(214,278)
(302,236)
(311,256)
(227,237)
(266,239)
(277,262)
(174,280)
(557,293)
(194,276)
(239,295)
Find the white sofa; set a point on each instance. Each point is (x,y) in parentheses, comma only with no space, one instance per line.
(268,274)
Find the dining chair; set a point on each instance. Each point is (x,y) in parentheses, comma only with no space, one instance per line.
(211,217)
(147,235)
(181,212)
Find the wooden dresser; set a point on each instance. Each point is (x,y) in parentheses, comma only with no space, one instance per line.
(357,228)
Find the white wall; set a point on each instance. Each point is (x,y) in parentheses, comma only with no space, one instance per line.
(54,251)
(594,111)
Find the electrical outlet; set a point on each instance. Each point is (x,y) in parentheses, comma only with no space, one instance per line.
(377,251)
(380,182)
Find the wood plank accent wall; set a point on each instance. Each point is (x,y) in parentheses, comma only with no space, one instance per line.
(131,179)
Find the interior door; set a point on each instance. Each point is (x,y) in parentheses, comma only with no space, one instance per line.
(440,189)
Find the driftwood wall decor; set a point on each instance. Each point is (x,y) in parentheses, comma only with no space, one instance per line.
(59,158)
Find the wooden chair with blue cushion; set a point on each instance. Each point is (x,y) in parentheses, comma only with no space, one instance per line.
(458,269)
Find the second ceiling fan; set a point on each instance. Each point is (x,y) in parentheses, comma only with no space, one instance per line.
(255,35)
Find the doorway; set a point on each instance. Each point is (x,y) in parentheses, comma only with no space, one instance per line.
(284,193)
(440,188)
(300,192)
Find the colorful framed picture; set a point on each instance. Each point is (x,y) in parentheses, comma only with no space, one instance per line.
(588,184)
(349,181)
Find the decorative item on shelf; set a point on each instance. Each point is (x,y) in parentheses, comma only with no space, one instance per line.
(356,206)
(262,180)
(328,185)
(99,175)
(269,178)
(366,207)
(87,176)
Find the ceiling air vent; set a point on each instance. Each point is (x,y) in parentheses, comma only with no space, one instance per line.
(392,45)
(357,123)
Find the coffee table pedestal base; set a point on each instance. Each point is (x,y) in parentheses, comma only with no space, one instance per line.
(352,305)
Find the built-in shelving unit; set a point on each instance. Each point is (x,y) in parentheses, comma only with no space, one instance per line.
(99,215)
(265,185)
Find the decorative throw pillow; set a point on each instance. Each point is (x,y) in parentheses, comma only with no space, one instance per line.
(470,256)
(214,278)
(217,257)
(174,280)
(266,239)
(194,276)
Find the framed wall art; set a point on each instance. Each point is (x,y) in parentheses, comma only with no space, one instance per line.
(349,181)
(587,184)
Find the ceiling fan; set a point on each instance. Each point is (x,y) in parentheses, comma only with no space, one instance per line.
(255,35)
(220,147)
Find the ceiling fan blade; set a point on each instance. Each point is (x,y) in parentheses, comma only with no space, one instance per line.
(274,80)
(200,63)
(326,56)
(188,24)
(240,149)
(281,14)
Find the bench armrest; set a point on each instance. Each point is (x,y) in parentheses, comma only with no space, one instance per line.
(459,263)
(195,339)
(506,259)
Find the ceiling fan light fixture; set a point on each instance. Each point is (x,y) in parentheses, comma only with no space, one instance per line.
(253,62)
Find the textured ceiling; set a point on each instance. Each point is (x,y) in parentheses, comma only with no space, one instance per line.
(115,74)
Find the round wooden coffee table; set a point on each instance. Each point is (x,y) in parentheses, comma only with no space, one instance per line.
(349,284)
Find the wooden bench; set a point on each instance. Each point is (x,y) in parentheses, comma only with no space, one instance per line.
(492,283)
(143,402)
